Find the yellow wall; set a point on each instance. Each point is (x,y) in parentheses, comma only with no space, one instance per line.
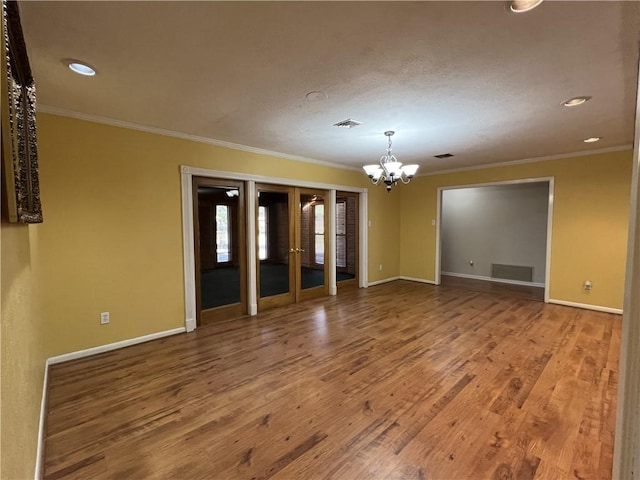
(112,241)
(384,232)
(590,222)
(23,355)
(112,237)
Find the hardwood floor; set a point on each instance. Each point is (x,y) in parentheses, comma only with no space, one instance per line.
(402,380)
(522,291)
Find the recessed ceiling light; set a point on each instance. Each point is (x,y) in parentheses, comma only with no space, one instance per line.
(82,68)
(575,101)
(316,96)
(592,139)
(521,6)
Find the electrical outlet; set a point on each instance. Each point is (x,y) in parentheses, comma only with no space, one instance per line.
(587,285)
(380,267)
(104,318)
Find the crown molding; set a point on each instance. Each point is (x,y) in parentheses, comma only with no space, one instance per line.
(528,160)
(185,136)
(260,151)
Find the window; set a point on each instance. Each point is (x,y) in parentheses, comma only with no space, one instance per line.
(341,234)
(223,233)
(262,232)
(318,231)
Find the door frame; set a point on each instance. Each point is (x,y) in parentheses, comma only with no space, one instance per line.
(226,311)
(295,248)
(352,283)
(549,180)
(321,290)
(186,174)
(288,297)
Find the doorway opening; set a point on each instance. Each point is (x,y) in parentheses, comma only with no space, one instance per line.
(219,218)
(347,240)
(496,237)
(291,226)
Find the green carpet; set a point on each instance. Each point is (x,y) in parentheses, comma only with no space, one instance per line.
(221,286)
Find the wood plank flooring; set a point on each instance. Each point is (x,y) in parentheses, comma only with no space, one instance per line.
(399,381)
(522,291)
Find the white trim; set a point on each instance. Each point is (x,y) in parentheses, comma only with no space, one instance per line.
(245,177)
(626,459)
(363,216)
(586,306)
(420,280)
(494,280)
(437,277)
(188,257)
(252,264)
(384,280)
(43,416)
(186,136)
(74,356)
(260,151)
(187,174)
(331,231)
(528,160)
(190,324)
(547,261)
(113,346)
(517,181)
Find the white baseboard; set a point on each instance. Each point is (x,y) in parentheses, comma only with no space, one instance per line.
(491,279)
(113,346)
(190,324)
(384,280)
(73,356)
(401,277)
(43,414)
(421,280)
(597,308)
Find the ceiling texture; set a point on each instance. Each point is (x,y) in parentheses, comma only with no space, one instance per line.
(468,78)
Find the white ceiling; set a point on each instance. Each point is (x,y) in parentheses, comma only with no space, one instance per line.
(469,78)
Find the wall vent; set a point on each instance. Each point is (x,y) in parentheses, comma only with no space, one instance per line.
(512,272)
(348,123)
(444,155)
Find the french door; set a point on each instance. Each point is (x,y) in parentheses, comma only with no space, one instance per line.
(220,252)
(347,240)
(291,228)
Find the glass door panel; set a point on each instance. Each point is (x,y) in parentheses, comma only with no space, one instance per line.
(312,220)
(276,281)
(346,238)
(291,243)
(219,253)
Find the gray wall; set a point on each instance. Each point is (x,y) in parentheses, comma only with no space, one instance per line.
(495,224)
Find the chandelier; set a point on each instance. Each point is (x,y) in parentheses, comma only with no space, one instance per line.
(390,171)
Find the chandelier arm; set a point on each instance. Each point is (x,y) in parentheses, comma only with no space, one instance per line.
(405,181)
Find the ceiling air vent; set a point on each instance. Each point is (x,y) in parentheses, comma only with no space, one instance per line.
(348,123)
(444,155)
